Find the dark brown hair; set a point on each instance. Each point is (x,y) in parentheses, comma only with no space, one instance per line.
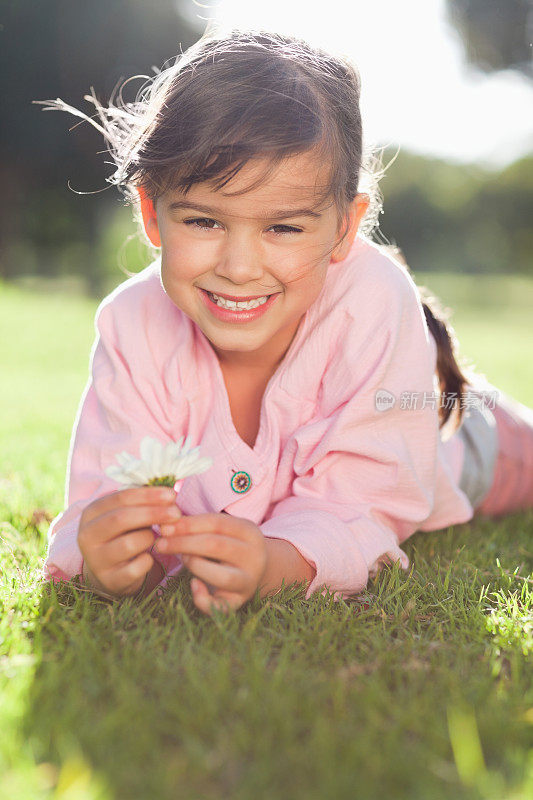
(242,95)
(452,380)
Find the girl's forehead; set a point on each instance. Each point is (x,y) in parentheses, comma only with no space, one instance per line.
(299,179)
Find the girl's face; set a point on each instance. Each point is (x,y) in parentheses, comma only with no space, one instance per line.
(270,242)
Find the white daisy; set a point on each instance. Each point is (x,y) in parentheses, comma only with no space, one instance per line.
(159,464)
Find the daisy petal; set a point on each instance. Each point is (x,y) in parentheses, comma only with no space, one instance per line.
(173,460)
(147,449)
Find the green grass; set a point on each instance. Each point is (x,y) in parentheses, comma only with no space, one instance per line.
(419,688)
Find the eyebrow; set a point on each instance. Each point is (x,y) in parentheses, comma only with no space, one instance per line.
(281,214)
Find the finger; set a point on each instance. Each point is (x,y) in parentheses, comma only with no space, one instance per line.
(202,598)
(118,579)
(207,602)
(222,576)
(136,496)
(210,545)
(167,529)
(125,547)
(126,518)
(236,527)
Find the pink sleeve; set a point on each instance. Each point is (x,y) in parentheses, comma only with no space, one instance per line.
(118,408)
(365,478)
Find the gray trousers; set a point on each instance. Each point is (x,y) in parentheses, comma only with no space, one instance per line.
(479,433)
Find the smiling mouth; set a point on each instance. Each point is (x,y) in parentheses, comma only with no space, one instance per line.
(237,310)
(238,299)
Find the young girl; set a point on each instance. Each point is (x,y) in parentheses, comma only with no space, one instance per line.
(336,416)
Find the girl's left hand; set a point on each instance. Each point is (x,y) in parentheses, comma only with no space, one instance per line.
(236,542)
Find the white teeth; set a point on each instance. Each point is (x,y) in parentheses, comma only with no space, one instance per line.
(241,305)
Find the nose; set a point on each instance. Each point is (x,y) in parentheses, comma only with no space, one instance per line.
(240,259)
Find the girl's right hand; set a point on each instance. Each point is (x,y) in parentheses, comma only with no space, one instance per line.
(115,534)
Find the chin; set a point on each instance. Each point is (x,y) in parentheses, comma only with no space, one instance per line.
(237,346)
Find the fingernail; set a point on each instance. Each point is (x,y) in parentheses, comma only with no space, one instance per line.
(166,493)
(174,512)
(166,530)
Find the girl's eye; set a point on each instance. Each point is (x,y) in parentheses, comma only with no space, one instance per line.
(197,223)
(194,222)
(287,229)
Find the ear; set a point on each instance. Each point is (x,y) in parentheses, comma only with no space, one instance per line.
(356,211)
(149,216)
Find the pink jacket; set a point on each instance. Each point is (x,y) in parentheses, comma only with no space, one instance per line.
(345,482)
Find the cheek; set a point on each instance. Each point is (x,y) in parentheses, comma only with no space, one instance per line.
(306,270)
(179,265)
(173,278)
(184,256)
(312,253)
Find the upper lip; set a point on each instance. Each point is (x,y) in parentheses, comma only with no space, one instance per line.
(238,299)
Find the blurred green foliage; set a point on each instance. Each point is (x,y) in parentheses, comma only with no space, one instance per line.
(62,48)
(451,217)
(496,35)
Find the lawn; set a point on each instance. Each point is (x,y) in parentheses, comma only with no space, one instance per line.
(420,688)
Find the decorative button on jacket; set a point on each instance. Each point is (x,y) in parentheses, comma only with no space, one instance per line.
(241,482)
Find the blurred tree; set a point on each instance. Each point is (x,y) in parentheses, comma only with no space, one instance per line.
(60,48)
(448,217)
(497,34)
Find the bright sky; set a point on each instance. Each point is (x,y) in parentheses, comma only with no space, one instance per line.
(417,92)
